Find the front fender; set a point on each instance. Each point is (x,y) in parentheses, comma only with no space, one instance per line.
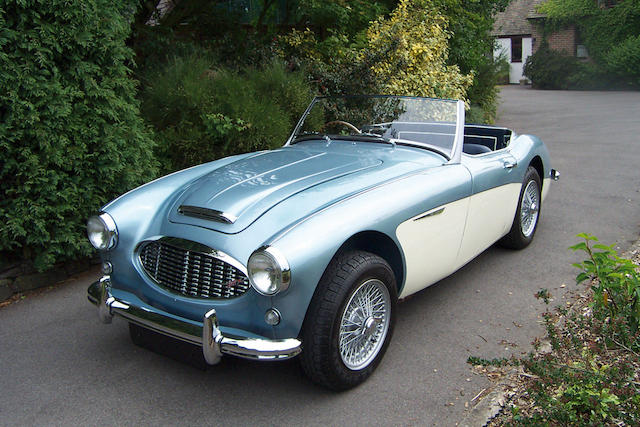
(310,244)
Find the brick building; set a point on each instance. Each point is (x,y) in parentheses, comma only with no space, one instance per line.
(518,33)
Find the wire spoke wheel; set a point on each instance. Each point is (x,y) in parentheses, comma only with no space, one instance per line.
(364,324)
(529,208)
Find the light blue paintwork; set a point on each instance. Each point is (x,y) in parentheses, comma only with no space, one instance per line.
(306,200)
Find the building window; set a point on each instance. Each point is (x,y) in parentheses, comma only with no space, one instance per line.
(516,49)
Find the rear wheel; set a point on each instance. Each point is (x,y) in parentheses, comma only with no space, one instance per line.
(350,320)
(525,222)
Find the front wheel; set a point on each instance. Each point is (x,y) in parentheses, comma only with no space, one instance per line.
(525,222)
(350,320)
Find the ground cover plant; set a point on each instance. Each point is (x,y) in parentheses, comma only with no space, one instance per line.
(591,375)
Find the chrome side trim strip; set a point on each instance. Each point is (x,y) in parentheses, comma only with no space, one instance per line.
(214,344)
(433,212)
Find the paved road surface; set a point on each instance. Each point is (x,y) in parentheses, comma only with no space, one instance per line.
(59,366)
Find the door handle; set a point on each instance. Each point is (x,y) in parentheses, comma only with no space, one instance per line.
(510,164)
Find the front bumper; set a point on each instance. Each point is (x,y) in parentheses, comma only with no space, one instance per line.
(207,335)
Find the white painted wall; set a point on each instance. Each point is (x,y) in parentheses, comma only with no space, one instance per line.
(503,45)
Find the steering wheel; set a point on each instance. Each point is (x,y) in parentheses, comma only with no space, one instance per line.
(343,123)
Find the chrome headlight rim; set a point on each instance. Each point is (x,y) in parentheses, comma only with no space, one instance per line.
(281,269)
(109,232)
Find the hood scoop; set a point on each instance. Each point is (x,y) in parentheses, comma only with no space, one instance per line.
(206,213)
(232,197)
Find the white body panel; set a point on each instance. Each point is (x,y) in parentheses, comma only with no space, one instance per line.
(490,217)
(431,245)
(436,245)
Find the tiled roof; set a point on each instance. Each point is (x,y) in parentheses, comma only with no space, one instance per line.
(532,10)
(515,19)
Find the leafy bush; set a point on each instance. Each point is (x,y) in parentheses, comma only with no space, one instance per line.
(615,283)
(610,34)
(624,59)
(470,25)
(70,133)
(590,375)
(412,43)
(549,69)
(202,113)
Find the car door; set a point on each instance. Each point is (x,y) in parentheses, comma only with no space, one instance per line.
(492,205)
(431,237)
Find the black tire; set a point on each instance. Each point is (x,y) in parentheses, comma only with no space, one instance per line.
(350,274)
(522,232)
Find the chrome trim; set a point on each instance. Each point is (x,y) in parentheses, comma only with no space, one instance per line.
(208,335)
(529,208)
(509,164)
(433,212)
(107,268)
(456,150)
(364,324)
(282,262)
(206,213)
(276,312)
(190,245)
(112,229)
(555,175)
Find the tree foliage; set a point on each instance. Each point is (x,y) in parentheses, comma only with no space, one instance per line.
(610,34)
(471,47)
(202,112)
(412,44)
(70,133)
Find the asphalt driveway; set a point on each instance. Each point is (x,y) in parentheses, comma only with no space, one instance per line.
(60,366)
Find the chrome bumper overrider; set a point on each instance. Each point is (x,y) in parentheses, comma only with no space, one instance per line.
(207,335)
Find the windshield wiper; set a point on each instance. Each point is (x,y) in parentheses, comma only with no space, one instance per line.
(305,136)
(375,136)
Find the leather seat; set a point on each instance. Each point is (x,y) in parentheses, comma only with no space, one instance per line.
(475,149)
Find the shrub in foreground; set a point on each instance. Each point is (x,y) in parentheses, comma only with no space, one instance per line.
(590,377)
(70,133)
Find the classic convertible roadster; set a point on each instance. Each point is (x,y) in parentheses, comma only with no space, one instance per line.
(307,248)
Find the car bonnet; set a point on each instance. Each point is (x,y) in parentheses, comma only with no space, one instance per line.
(231,198)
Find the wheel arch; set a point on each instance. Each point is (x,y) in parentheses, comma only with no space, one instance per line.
(537,164)
(378,244)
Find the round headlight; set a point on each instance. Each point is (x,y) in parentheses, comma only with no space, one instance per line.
(102,232)
(268,271)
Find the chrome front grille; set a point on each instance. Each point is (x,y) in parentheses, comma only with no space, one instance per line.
(190,269)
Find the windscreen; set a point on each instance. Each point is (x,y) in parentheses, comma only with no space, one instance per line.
(422,122)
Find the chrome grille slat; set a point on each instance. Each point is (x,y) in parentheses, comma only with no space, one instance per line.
(191,273)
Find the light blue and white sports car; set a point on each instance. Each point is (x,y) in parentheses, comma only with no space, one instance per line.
(307,248)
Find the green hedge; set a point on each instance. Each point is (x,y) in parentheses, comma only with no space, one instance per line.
(71,137)
(201,112)
(549,69)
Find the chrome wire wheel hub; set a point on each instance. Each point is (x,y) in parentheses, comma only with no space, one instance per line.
(364,324)
(529,208)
